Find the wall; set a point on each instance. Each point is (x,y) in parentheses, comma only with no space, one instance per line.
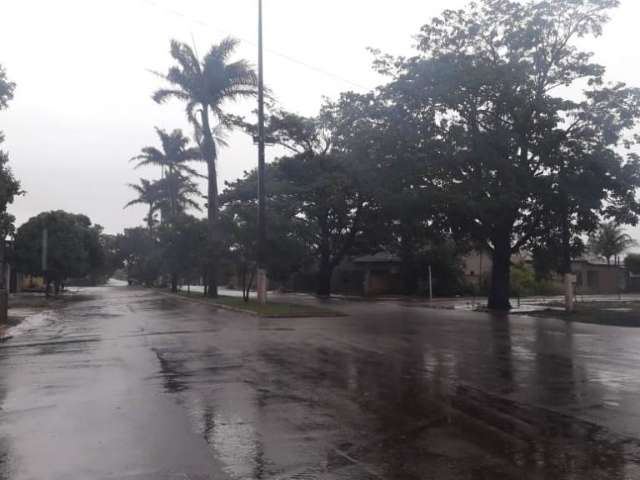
(599,279)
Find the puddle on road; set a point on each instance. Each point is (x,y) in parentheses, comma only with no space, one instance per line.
(32,321)
(284,409)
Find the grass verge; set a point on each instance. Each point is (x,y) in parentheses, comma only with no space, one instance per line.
(615,314)
(270,310)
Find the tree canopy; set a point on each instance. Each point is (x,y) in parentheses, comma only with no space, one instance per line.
(74,246)
(500,134)
(632,263)
(324,190)
(6,89)
(9,185)
(520,156)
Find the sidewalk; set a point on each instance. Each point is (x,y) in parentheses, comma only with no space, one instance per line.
(520,305)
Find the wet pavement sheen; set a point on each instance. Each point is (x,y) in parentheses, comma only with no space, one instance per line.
(134,384)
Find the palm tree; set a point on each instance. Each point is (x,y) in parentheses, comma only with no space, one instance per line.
(148,194)
(173,158)
(610,241)
(176,194)
(206,87)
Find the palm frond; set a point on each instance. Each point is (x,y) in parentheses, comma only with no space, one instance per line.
(163,94)
(136,201)
(185,56)
(222,51)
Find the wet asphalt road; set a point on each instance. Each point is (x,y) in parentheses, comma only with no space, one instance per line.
(133,384)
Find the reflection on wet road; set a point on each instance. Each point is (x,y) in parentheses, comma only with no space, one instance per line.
(137,385)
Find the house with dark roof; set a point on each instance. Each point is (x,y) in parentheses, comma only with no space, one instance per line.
(381,273)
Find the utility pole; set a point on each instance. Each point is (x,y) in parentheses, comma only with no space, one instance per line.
(262,227)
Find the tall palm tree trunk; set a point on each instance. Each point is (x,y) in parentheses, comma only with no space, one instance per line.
(150,218)
(172,194)
(209,154)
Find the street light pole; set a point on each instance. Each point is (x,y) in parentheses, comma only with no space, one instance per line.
(262,227)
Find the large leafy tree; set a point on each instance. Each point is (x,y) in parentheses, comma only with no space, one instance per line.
(9,185)
(182,241)
(207,86)
(9,190)
(495,78)
(323,189)
(398,143)
(74,247)
(109,255)
(173,157)
(6,89)
(632,263)
(138,248)
(285,247)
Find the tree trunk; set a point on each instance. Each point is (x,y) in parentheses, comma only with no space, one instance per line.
(323,287)
(243,279)
(408,263)
(566,238)
(173,210)
(174,282)
(246,288)
(208,148)
(150,218)
(324,280)
(205,283)
(500,276)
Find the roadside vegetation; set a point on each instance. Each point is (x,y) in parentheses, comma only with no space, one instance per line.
(10,187)
(76,250)
(500,134)
(473,143)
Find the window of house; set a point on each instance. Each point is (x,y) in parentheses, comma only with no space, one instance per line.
(592,279)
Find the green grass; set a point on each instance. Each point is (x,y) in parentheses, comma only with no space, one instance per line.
(270,310)
(617,314)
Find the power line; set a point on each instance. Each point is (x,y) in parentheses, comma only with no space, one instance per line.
(284,56)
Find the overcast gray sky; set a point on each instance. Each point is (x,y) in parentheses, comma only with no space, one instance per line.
(83,100)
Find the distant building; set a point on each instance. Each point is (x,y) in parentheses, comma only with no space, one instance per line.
(20,282)
(477,266)
(381,273)
(593,276)
(368,275)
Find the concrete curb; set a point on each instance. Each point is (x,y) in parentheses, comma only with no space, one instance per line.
(212,304)
(433,307)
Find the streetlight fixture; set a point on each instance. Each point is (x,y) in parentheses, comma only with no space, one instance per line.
(262,230)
